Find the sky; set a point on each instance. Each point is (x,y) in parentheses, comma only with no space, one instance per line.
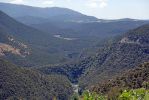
(102,9)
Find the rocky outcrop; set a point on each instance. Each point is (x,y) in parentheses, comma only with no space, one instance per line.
(6,48)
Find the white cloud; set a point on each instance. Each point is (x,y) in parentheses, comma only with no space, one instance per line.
(97,3)
(103,4)
(17,1)
(48,2)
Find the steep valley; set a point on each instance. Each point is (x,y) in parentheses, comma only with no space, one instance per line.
(57,53)
(110,61)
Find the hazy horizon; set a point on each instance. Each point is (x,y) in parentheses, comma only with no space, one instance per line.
(102,9)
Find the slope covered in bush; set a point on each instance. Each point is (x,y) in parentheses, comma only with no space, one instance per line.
(22,83)
(132,79)
(126,52)
(131,85)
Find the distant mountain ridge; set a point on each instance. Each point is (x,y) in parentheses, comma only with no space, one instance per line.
(24,13)
(53,13)
(67,22)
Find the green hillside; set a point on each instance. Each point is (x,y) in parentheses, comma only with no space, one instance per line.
(21,83)
(130,85)
(124,53)
(131,79)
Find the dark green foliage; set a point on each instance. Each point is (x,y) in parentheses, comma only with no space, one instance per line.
(132,79)
(18,82)
(131,85)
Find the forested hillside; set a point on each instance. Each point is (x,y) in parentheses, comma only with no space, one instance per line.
(22,83)
(124,53)
(130,85)
(43,48)
(131,79)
